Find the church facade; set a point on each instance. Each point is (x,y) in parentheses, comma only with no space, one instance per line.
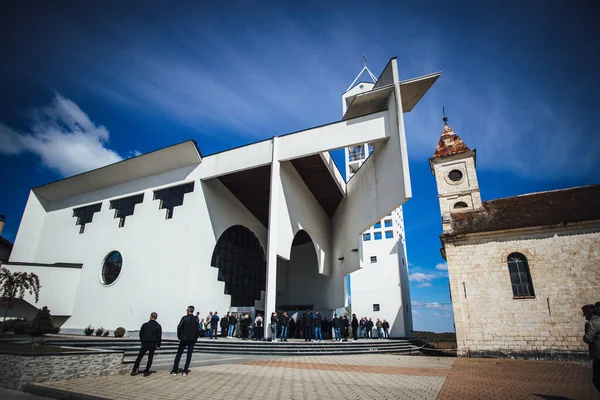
(521,267)
(268,226)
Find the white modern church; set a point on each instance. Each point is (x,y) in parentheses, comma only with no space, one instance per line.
(268,226)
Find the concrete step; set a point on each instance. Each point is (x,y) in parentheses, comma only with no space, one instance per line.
(130,347)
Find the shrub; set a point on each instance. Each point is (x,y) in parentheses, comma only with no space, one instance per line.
(120,332)
(9,324)
(99,331)
(42,323)
(88,331)
(21,327)
(105,334)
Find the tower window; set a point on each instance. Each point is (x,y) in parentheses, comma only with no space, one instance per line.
(366,237)
(389,234)
(377,225)
(460,204)
(172,197)
(387,223)
(373,259)
(520,277)
(377,235)
(375,307)
(455,175)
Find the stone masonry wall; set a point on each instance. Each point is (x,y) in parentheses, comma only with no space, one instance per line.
(18,370)
(565,271)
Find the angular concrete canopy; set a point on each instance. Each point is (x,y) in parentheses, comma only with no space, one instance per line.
(153,163)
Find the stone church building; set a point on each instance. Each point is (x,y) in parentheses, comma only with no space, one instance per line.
(520,267)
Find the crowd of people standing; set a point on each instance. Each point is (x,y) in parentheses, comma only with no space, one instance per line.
(310,326)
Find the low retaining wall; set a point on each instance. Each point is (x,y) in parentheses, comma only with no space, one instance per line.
(19,370)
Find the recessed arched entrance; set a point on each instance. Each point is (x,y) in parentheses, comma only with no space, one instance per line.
(299,284)
(242,266)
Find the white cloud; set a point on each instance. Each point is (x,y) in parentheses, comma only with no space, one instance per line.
(435,305)
(442,267)
(64,137)
(421,277)
(424,284)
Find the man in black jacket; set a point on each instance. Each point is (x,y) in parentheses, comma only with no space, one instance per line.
(231,328)
(307,318)
(187,333)
(150,336)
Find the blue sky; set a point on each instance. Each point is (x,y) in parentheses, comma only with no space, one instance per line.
(84,84)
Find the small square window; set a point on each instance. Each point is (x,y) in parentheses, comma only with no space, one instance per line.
(377,225)
(375,307)
(373,259)
(366,237)
(387,223)
(377,235)
(389,234)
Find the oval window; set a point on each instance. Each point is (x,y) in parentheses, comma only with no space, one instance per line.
(455,175)
(111,267)
(460,204)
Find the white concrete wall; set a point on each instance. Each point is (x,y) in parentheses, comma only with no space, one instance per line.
(30,228)
(299,281)
(379,283)
(166,263)
(299,210)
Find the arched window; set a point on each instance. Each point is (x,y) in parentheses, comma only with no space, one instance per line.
(520,277)
(460,204)
(242,266)
(111,267)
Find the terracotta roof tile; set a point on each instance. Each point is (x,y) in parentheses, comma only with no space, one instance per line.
(529,210)
(449,143)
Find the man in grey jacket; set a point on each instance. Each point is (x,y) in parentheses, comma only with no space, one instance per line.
(592,338)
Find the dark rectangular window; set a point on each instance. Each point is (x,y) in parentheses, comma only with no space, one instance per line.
(172,197)
(85,215)
(377,235)
(366,237)
(387,223)
(375,307)
(377,225)
(125,207)
(389,234)
(373,259)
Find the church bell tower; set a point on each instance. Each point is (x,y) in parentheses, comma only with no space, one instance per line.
(453,165)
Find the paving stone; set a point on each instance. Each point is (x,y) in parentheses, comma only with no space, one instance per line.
(354,376)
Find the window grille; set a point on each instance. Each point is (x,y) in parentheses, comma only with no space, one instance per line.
(172,197)
(85,215)
(125,207)
(520,277)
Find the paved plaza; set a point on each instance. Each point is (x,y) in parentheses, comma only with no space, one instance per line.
(374,376)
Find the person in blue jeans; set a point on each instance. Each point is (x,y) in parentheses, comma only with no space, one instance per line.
(231,328)
(187,333)
(284,320)
(317,324)
(336,323)
(274,322)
